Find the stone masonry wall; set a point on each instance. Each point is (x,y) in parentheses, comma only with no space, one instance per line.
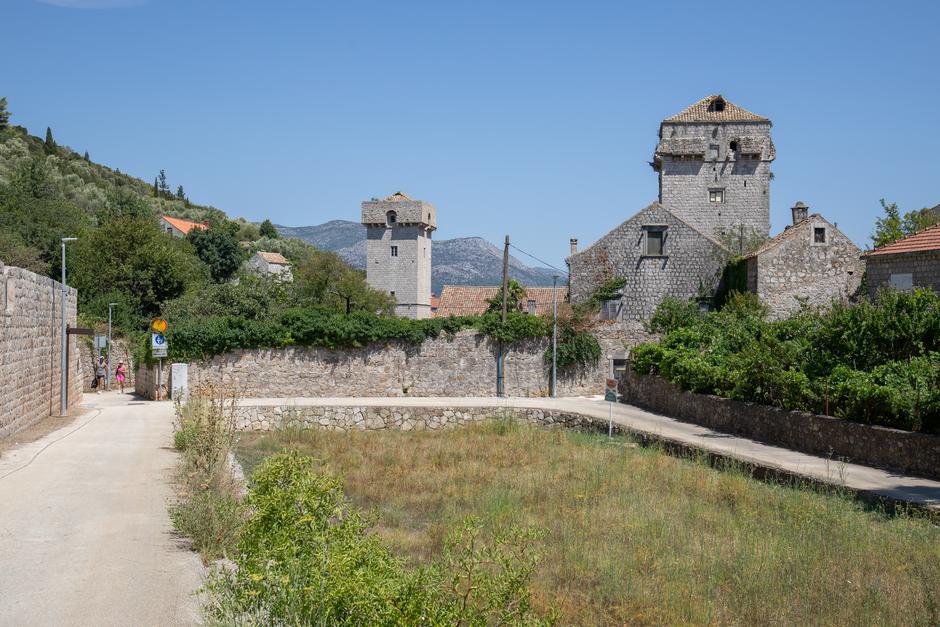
(265,418)
(924,269)
(798,269)
(915,453)
(464,365)
(120,349)
(30,349)
(146,380)
(691,264)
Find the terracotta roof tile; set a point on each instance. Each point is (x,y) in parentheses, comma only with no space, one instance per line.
(277,258)
(705,111)
(185,225)
(469,300)
(927,240)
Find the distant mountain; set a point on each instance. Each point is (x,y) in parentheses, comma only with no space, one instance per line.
(460,261)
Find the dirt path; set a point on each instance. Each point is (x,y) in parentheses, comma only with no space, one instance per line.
(85,538)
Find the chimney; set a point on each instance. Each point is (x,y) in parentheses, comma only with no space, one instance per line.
(800,212)
(574,245)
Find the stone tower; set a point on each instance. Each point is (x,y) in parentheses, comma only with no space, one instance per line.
(398,251)
(713,160)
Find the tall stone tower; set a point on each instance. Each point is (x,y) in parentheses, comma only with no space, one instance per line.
(713,160)
(398,251)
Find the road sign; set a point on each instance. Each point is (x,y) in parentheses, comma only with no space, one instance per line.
(158,325)
(158,352)
(157,340)
(610,397)
(101,341)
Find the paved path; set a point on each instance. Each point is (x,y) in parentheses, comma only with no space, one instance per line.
(924,492)
(85,538)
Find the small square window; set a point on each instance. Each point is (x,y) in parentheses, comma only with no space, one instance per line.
(819,235)
(716,195)
(394,251)
(654,243)
(531,307)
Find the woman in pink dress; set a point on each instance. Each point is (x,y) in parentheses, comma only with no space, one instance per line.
(121,374)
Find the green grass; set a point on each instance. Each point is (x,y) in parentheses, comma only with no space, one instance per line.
(633,534)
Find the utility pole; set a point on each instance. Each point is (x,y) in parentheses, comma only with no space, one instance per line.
(64,383)
(500,364)
(554,337)
(110,305)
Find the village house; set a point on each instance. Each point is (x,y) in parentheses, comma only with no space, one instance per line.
(275,264)
(905,264)
(471,300)
(810,263)
(178,227)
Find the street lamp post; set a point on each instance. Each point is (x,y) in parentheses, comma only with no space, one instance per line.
(63,385)
(110,305)
(554,336)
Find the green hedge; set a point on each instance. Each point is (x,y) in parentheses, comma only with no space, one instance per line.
(876,362)
(201,337)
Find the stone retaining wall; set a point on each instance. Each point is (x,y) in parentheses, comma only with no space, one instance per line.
(272,417)
(30,349)
(145,381)
(914,453)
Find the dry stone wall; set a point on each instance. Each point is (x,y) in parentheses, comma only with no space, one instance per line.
(30,349)
(914,453)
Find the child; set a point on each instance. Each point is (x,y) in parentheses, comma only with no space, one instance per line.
(120,374)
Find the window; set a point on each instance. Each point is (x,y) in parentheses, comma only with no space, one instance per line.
(717,105)
(902,282)
(733,146)
(530,304)
(610,309)
(716,195)
(391,218)
(654,242)
(819,235)
(392,293)
(394,251)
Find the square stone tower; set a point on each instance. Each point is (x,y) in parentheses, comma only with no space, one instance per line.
(398,251)
(713,160)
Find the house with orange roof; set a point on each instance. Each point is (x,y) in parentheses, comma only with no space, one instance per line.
(178,227)
(905,264)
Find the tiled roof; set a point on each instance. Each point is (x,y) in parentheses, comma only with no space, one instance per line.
(399,197)
(185,226)
(705,111)
(927,240)
(277,258)
(468,300)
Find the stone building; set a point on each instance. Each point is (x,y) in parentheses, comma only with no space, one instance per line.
(274,264)
(905,264)
(713,160)
(398,251)
(811,262)
(659,254)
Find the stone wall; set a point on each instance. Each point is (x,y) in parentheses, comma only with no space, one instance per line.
(793,268)
(923,267)
(691,264)
(915,453)
(146,379)
(271,417)
(30,349)
(120,349)
(462,365)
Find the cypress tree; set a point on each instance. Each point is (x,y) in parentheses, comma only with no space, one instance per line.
(4,114)
(86,157)
(50,143)
(164,188)
(180,194)
(156,190)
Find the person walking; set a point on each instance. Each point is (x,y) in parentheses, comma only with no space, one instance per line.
(120,373)
(100,374)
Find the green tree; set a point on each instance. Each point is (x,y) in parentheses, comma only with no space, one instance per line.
(164,188)
(515,293)
(267,229)
(156,187)
(894,226)
(4,114)
(322,279)
(49,144)
(180,194)
(219,250)
(86,157)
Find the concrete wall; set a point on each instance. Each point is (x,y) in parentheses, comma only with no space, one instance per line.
(684,184)
(30,349)
(691,264)
(924,269)
(914,453)
(798,269)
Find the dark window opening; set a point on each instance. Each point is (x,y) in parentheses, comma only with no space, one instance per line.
(717,105)
(394,251)
(819,235)
(733,146)
(391,218)
(654,243)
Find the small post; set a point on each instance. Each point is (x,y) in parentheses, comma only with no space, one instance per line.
(159,377)
(500,365)
(610,419)
(64,383)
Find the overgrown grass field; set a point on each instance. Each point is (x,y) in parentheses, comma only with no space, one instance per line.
(634,535)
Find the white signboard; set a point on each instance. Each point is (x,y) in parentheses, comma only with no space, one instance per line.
(179,381)
(158,345)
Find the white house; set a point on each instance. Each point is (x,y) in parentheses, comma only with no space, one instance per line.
(178,227)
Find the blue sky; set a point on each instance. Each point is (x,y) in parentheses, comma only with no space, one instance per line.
(534,119)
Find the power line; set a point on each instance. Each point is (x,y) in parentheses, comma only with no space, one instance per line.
(542,261)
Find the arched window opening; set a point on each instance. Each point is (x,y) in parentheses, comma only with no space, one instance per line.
(391,218)
(717,105)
